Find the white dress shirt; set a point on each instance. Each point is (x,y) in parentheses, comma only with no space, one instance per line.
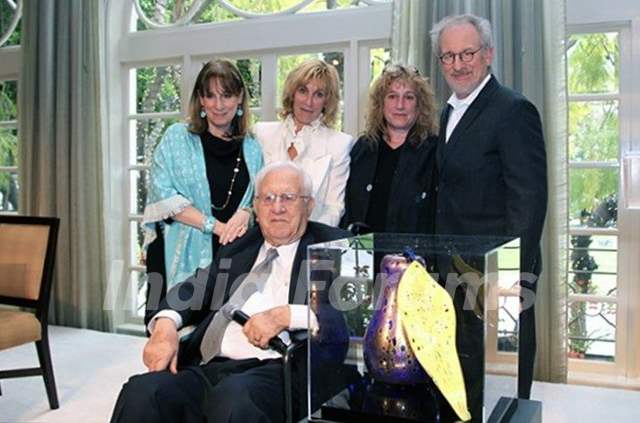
(321,151)
(275,293)
(460,106)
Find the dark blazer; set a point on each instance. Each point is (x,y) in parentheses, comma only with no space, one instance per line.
(411,196)
(492,174)
(492,180)
(198,298)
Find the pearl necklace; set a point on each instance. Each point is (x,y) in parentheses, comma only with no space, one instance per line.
(236,170)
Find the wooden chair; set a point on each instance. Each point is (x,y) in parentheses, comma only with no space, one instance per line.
(27,256)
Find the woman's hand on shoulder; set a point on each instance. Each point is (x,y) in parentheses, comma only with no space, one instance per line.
(235,227)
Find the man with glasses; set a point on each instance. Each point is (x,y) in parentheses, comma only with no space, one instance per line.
(227,371)
(491,162)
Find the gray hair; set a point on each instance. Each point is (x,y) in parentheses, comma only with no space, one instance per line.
(482,25)
(307,184)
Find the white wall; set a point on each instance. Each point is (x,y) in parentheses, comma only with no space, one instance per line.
(595,11)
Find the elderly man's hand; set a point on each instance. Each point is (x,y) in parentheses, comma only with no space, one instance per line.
(161,350)
(261,327)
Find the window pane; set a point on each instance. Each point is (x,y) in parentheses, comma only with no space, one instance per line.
(149,132)
(508,315)
(593,264)
(139,286)
(7,14)
(9,191)
(8,147)
(509,259)
(139,181)
(594,197)
(158,89)
(593,63)
(8,100)
(136,237)
(216,13)
(593,131)
(287,63)
(592,330)
(251,69)
(378,58)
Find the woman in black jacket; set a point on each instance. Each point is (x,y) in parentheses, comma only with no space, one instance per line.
(393,164)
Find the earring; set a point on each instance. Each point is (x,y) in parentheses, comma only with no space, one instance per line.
(203,114)
(239,112)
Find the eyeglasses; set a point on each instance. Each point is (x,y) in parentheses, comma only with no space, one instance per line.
(286,198)
(464,56)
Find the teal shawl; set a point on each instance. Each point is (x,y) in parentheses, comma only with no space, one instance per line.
(178,180)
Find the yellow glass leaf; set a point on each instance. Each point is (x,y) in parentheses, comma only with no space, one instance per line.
(429,322)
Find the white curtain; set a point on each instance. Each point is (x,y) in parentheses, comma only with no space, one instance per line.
(530,58)
(60,155)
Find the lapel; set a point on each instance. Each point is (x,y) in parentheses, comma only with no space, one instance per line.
(442,136)
(458,136)
(243,255)
(298,271)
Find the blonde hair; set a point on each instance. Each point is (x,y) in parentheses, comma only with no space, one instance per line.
(426,123)
(230,80)
(301,75)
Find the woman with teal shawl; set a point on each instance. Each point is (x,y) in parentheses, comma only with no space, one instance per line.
(202,176)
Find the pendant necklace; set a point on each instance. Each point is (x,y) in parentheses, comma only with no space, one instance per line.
(236,170)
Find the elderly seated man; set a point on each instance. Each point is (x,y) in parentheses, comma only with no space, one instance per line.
(231,375)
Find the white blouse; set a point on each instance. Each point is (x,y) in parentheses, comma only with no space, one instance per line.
(322,152)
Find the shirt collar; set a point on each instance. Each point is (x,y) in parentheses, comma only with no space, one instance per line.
(455,102)
(284,251)
(313,126)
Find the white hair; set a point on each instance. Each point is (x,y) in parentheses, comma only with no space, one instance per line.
(482,25)
(307,184)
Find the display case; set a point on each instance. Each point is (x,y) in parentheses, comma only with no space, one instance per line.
(412,327)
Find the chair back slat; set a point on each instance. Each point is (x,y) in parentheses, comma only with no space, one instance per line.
(23,249)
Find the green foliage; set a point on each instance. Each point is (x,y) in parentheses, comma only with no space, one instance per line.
(379,58)
(589,187)
(594,63)
(7,14)
(593,126)
(593,67)
(8,145)
(171,10)
(593,131)
(158,89)
(250,71)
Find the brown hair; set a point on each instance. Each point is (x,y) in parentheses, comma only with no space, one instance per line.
(426,123)
(230,80)
(301,75)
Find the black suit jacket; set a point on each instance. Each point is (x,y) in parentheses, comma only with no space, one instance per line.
(411,198)
(198,298)
(492,174)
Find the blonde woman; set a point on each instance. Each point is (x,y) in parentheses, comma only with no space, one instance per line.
(305,135)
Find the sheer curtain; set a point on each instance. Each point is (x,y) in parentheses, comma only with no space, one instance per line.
(530,58)
(60,152)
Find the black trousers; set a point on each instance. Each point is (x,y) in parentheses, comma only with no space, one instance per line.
(526,352)
(220,391)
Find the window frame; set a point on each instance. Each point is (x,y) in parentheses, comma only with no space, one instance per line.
(625,369)
(10,62)
(357,31)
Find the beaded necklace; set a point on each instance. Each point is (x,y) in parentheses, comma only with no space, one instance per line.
(236,170)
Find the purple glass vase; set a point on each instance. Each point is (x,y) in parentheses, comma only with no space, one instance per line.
(387,353)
